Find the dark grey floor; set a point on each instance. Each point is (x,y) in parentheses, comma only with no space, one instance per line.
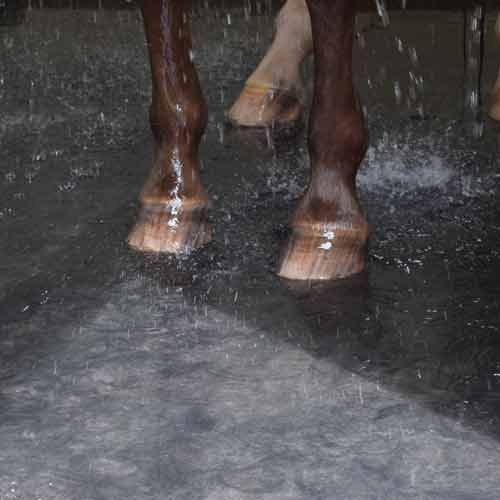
(124,376)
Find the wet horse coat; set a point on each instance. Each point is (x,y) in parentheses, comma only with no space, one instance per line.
(329,232)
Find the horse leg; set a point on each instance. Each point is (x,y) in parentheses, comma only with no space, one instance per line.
(495,94)
(274,91)
(329,231)
(173,214)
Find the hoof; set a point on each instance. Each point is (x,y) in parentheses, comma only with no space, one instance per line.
(331,255)
(494,112)
(165,229)
(261,106)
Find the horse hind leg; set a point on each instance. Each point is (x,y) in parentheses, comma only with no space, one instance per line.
(274,91)
(174,204)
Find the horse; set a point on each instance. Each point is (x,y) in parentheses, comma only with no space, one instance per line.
(329,232)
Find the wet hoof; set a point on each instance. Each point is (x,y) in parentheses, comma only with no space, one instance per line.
(494,111)
(169,229)
(329,255)
(261,106)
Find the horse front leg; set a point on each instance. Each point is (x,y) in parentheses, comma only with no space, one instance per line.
(174,204)
(329,231)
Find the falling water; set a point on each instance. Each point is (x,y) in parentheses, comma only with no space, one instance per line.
(473,46)
(382,12)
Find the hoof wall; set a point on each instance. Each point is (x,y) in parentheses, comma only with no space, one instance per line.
(161,229)
(264,107)
(322,257)
(494,111)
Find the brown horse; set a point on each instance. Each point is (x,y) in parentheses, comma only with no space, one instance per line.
(329,232)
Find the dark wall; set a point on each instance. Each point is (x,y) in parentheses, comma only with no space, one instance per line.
(266,4)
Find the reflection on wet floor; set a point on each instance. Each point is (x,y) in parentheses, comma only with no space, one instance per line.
(124,375)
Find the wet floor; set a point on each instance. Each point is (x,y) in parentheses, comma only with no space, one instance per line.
(131,376)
